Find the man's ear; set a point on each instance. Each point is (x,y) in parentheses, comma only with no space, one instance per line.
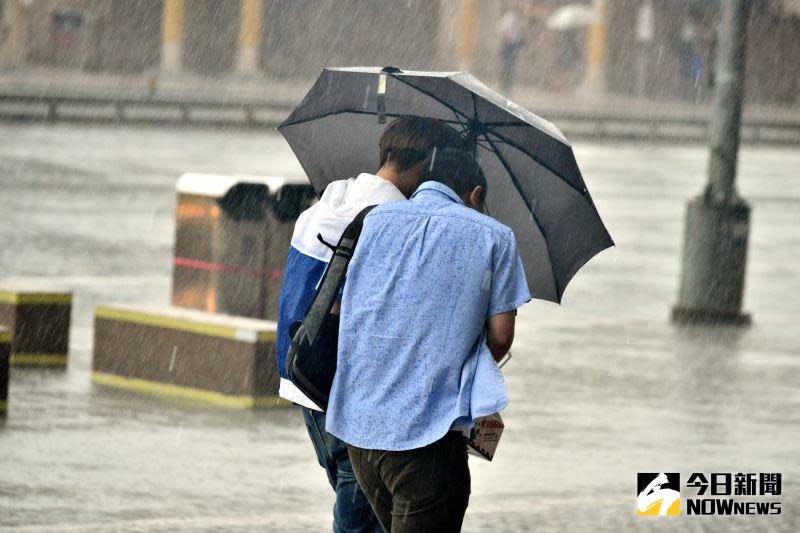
(474,198)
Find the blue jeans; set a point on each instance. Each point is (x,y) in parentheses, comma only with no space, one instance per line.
(351,512)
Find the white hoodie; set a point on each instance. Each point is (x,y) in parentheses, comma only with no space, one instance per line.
(340,203)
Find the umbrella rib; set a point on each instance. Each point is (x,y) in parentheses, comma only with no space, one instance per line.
(458,114)
(430,95)
(530,209)
(517,146)
(513,144)
(513,123)
(475,131)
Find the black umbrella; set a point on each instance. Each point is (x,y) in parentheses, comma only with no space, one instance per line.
(535,186)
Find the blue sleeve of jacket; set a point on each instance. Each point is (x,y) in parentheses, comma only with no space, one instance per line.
(300,278)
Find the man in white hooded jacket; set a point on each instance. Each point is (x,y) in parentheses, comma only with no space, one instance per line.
(404,146)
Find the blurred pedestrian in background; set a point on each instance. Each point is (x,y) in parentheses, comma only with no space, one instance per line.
(569,59)
(689,54)
(510,28)
(645,32)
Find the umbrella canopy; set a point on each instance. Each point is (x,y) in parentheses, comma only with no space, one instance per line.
(572,16)
(535,186)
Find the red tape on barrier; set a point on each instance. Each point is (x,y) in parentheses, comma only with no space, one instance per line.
(273,273)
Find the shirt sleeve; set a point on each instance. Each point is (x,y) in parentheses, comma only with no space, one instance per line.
(509,286)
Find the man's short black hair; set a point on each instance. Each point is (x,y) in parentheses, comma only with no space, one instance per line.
(409,140)
(455,168)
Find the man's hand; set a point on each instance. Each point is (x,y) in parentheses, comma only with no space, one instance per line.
(500,333)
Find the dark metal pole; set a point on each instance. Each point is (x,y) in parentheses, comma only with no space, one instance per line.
(718,221)
(728,95)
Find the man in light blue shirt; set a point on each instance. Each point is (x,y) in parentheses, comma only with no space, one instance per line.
(428,278)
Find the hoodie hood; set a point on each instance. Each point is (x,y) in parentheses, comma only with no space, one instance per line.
(339,204)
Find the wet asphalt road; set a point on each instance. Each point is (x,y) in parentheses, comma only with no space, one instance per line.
(601,388)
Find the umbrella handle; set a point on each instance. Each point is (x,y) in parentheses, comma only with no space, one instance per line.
(381,100)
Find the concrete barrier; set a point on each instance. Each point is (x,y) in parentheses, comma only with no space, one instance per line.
(232,236)
(39,323)
(5,362)
(186,354)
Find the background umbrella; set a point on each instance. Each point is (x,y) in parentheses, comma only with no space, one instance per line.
(535,186)
(572,16)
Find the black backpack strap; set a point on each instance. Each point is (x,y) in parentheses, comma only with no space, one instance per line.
(311,360)
(332,279)
(349,239)
(325,243)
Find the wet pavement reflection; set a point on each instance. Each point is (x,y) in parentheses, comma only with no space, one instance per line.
(601,388)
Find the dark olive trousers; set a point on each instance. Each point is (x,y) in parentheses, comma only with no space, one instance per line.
(421,490)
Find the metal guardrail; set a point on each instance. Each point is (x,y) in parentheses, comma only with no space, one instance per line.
(678,127)
(174,109)
(258,113)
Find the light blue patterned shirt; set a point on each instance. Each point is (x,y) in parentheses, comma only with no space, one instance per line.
(425,277)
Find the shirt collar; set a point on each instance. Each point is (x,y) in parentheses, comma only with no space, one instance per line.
(371,181)
(438,187)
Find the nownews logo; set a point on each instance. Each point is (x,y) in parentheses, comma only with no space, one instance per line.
(659,494)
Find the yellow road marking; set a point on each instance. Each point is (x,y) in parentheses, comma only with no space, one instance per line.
(12,297)
(169,390)
(39,359)
(183,324)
